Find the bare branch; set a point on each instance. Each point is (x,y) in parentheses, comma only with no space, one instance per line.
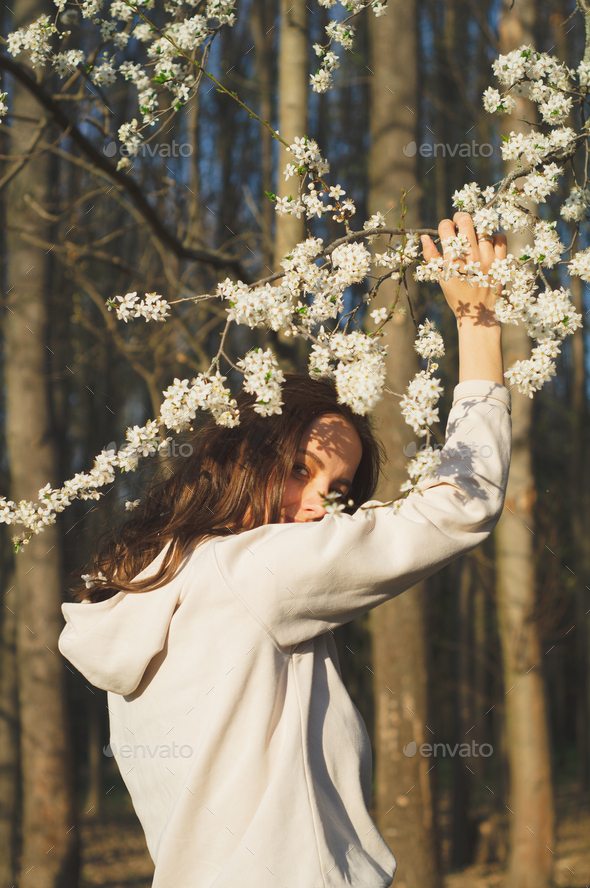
(210,257)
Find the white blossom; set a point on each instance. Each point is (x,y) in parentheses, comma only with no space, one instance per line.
(332,502)
(575,207)
(265,306)
(584,73)
(539,184)
(130,136)
(468,198)
(352,261)
(494,103)
(455,247)
(429,343)
(93,580)
(152,307)
(380,314)
(307,153)
(343,34)
(103,75)
(417,405)
(531,374)
(182,400)
(580,265)
(425,463)
(321,81)
(377,220)
(547,248)
(360,369)
(65,63)
(34,39)
(263,378)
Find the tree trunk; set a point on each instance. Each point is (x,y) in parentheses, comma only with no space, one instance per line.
(404,803)
(9,764)
(193,235)
(461,839)
(292,114)
(92,805)
(531,814)
(579,500)
(479,679)
(263,16)
(49,856)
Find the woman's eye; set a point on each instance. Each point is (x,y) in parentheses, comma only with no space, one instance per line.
(300,470)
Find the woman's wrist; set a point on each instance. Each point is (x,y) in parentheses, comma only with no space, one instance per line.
(480,349)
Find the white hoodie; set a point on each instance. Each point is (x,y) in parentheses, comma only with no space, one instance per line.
(246,760)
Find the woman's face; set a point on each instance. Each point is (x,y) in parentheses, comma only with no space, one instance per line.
(328,456)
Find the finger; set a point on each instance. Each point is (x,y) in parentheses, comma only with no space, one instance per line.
(428,248)
(500,246)
(464,224)
(486,250)
(446,229)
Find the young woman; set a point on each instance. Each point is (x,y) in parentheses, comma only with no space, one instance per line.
(247,763)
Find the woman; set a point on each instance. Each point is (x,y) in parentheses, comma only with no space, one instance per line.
(246,760)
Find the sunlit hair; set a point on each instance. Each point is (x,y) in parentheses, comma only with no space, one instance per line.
(234,480)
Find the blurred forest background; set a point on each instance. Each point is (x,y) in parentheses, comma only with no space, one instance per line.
(494,649)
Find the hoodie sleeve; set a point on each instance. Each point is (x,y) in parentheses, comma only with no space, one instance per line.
(111,642)
(299,580)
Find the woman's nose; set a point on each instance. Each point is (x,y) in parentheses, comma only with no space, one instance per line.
(313,505)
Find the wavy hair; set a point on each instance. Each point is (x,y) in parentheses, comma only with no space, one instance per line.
(233,480)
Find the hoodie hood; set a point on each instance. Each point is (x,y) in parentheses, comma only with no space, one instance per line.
(111,642)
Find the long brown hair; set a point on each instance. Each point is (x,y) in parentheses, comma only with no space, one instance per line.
(233,480)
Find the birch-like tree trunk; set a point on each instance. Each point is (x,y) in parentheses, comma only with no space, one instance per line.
(9,733)
(49,857)
(404,803)
(262,18)
(9,765)
(531,813)
(292,113)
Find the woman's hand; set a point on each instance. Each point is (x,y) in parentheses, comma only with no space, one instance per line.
(480,341)
(466,301)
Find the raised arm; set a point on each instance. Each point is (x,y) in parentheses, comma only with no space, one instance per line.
(480,340)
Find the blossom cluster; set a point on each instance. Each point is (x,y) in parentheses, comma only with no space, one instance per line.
(418,403)
(183,34)
(308,293)
(308,162)
(548,316)
(356,362)
(342,33)
(539,77)
(418,407)
(206,392)
(167,50)
(34,39)
(264,306)
(141,442)
(429,343)
(153,307)
(263,378)
(400,254)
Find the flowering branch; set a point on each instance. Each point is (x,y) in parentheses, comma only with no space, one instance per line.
(308,291)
